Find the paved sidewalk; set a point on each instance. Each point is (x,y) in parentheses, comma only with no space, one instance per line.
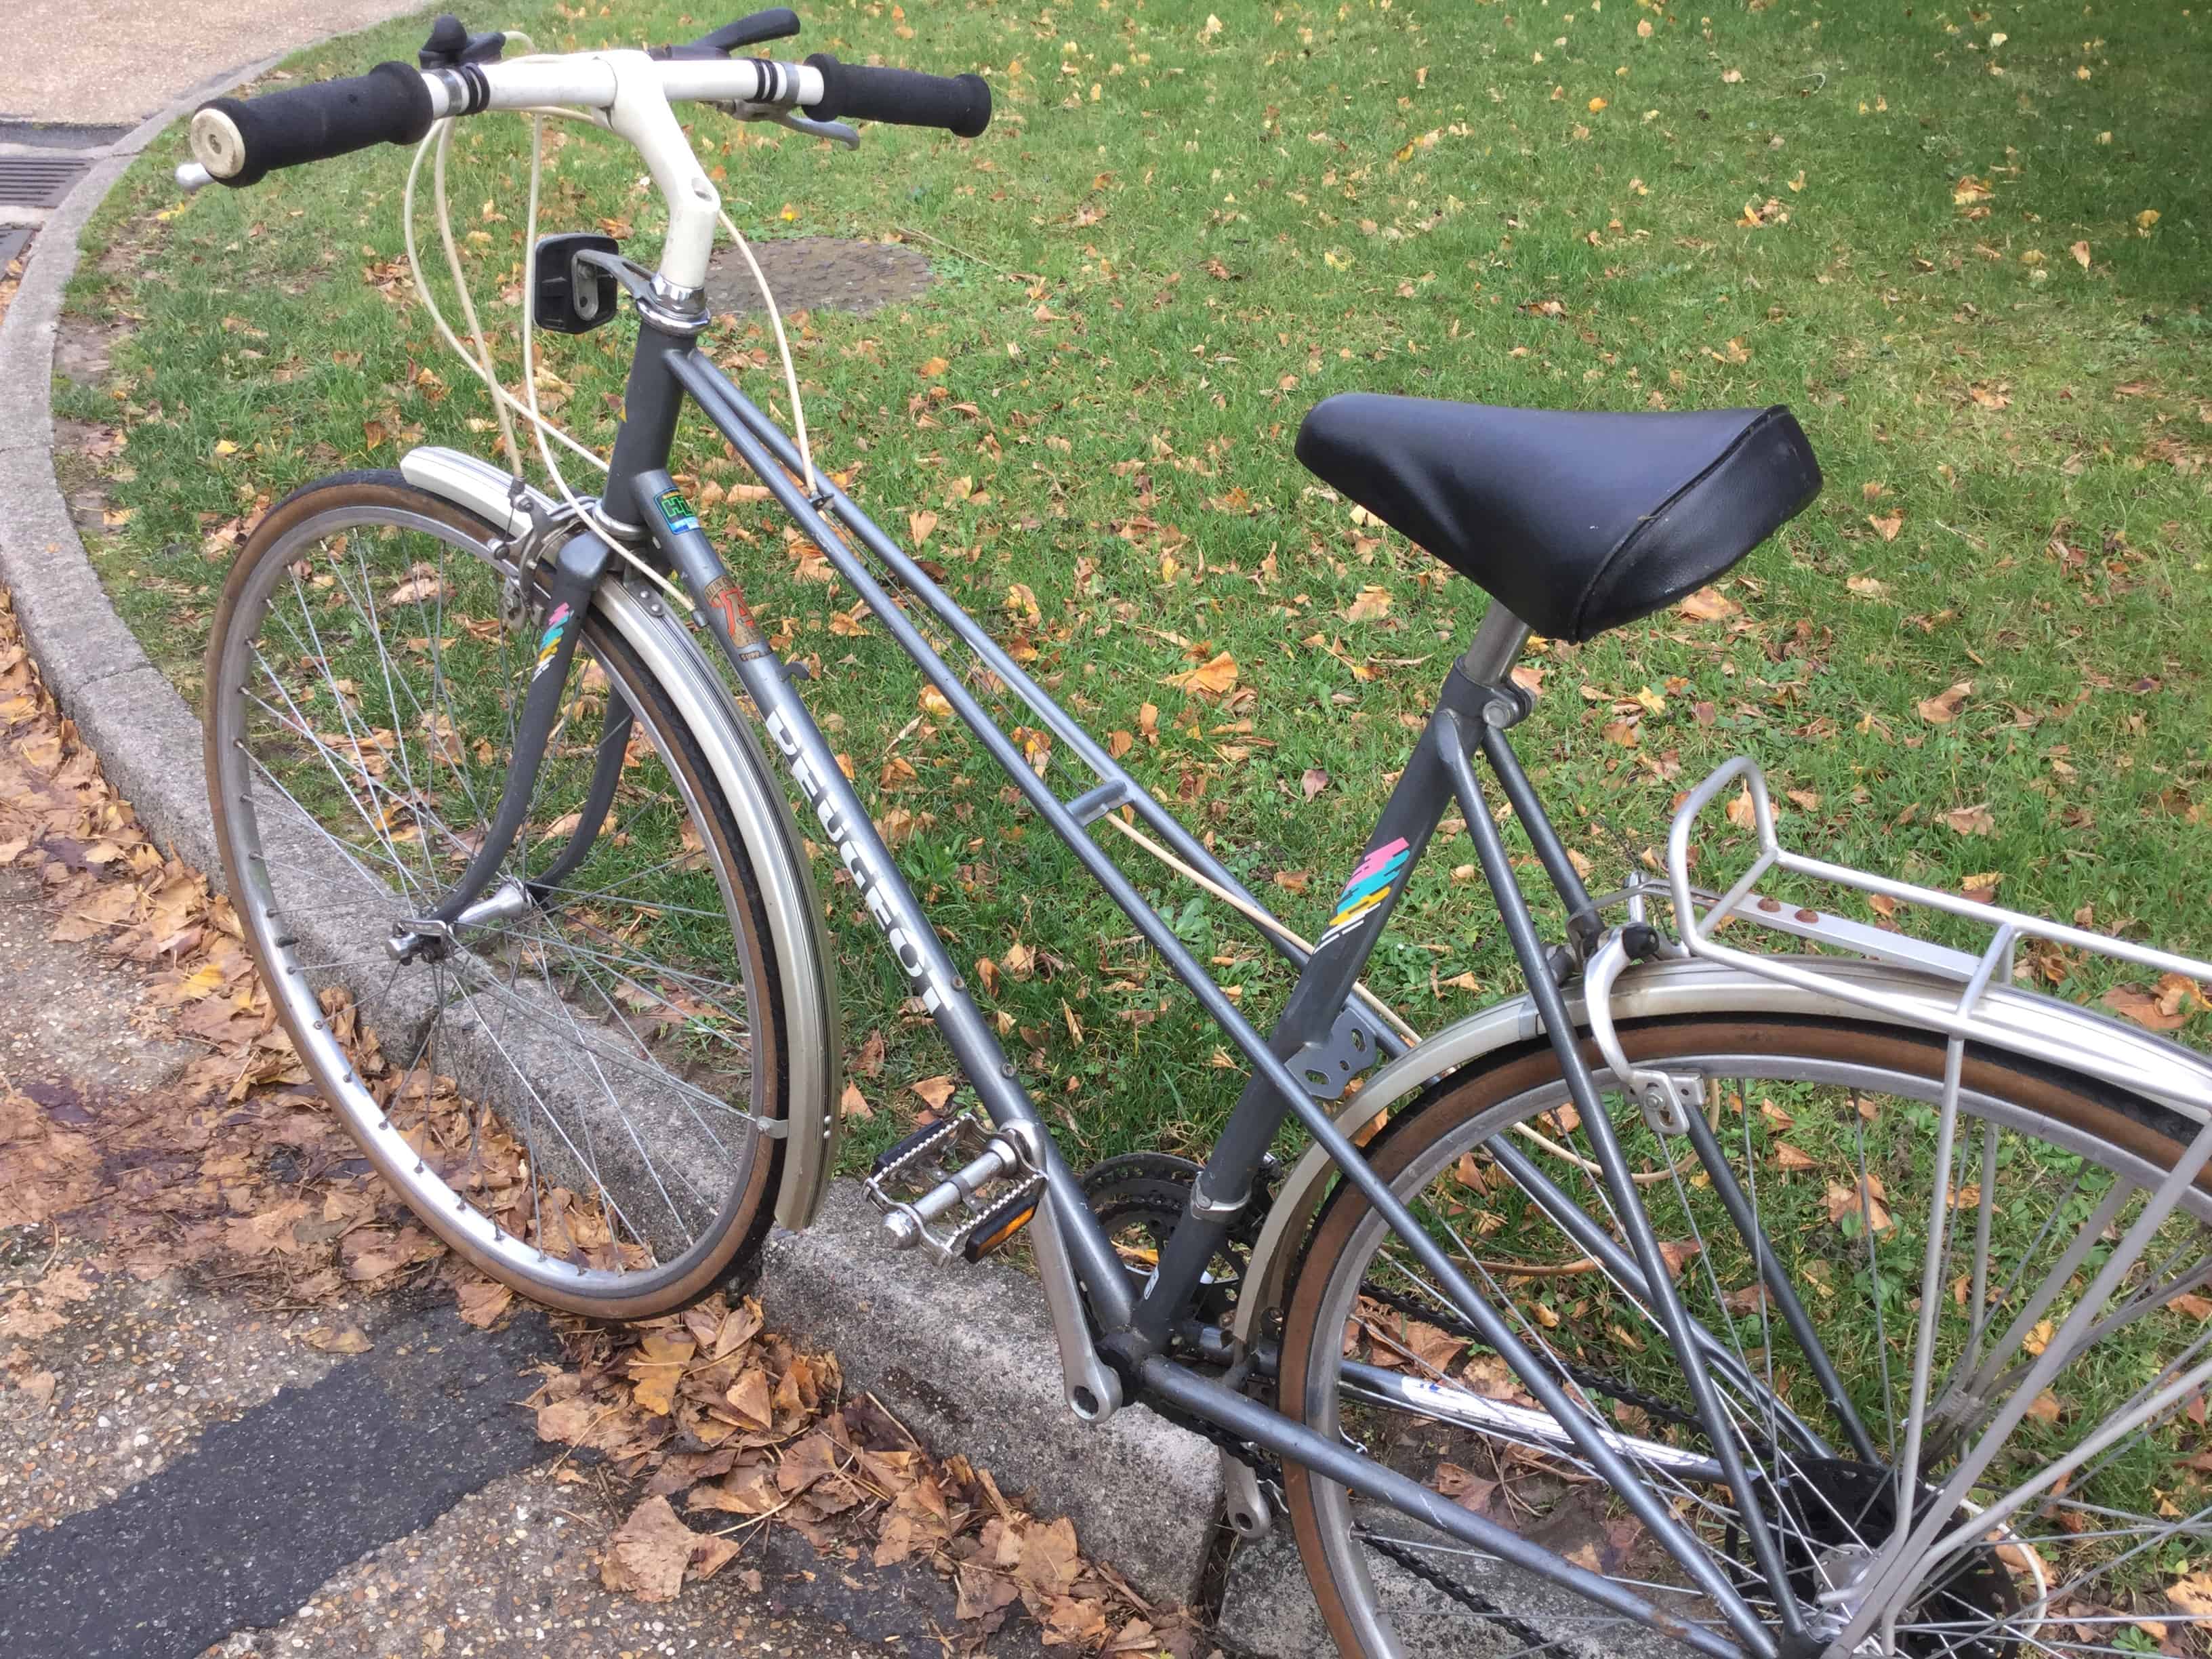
(96,63)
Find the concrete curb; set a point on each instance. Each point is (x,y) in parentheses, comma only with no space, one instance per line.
(964,1356)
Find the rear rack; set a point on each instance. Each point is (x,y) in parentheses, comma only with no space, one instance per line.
(2136,1060)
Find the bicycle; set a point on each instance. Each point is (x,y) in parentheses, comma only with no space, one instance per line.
(546,936)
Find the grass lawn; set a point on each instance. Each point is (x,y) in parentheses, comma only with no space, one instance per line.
(1968,248)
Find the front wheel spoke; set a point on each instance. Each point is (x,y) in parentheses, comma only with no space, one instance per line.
(417,805)
(354,734)
(629,1129)
(536,1174)
(347,850)
(612,962)
(330,761)
(391,694)
(640,1065)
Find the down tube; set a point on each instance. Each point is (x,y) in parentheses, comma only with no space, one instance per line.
(929,969)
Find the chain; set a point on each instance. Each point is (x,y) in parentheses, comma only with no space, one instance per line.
(1270,1474)
(1596,1381)
(1474,1600)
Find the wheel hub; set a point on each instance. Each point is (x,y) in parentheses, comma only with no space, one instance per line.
(1836,1515)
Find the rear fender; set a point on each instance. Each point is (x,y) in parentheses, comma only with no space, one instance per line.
(1680,988)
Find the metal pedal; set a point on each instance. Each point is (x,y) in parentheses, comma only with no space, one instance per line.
(961,1167)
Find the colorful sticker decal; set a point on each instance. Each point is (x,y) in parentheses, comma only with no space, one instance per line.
(556,625)
(726,597)
(677,511)
(1368,886)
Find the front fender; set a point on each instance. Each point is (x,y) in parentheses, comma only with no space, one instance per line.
(813,1039)
(1681,989)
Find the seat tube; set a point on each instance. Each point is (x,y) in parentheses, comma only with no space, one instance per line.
(1223,1189)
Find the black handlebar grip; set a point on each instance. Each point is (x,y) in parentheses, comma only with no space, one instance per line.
(961,104)
(240,140)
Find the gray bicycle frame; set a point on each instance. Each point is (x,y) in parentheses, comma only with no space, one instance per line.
(1474,708)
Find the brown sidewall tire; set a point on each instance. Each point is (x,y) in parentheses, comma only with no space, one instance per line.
(752,1211)
(2129,1124)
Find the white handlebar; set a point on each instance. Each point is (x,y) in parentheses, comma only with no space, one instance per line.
(597,80)
(627,91)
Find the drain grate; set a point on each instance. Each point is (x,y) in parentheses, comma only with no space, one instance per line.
(38,181)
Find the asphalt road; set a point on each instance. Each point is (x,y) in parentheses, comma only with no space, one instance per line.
(182,1472)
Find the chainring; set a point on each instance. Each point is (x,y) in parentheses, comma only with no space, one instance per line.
(1138,1198)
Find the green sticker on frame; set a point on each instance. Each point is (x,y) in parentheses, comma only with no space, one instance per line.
(677,511)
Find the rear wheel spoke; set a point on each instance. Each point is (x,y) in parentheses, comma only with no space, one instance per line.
(1855,1208)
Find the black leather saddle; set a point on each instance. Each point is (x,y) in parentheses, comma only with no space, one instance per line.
(1574,522)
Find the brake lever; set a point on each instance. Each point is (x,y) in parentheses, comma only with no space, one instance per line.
(451,45)
(772,25)
(836,131)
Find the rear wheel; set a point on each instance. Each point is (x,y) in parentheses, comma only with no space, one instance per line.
(573,1092)
(1827,1130)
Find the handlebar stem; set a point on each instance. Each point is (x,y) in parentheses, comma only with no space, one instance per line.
(633,93)
(639,112)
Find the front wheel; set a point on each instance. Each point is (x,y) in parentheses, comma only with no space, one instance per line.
(579,1091)
(1824,1134)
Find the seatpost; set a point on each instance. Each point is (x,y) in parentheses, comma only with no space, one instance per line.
(1497,641)
(1488,661)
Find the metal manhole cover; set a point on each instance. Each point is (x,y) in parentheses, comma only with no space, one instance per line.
(38,181)
(808,273)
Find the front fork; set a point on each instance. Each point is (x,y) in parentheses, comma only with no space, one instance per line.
(581,561)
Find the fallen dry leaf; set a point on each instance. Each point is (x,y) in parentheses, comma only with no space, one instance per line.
(655,1368)
(651,1553)
(1370,605)
(1943,709)
(1214,679)
(1973,820)
(1866,1200)
(2146,1008)
(483,1301)
(1707,605)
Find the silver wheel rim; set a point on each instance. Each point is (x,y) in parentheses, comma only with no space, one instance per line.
(1338,1518)
(500,1054)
